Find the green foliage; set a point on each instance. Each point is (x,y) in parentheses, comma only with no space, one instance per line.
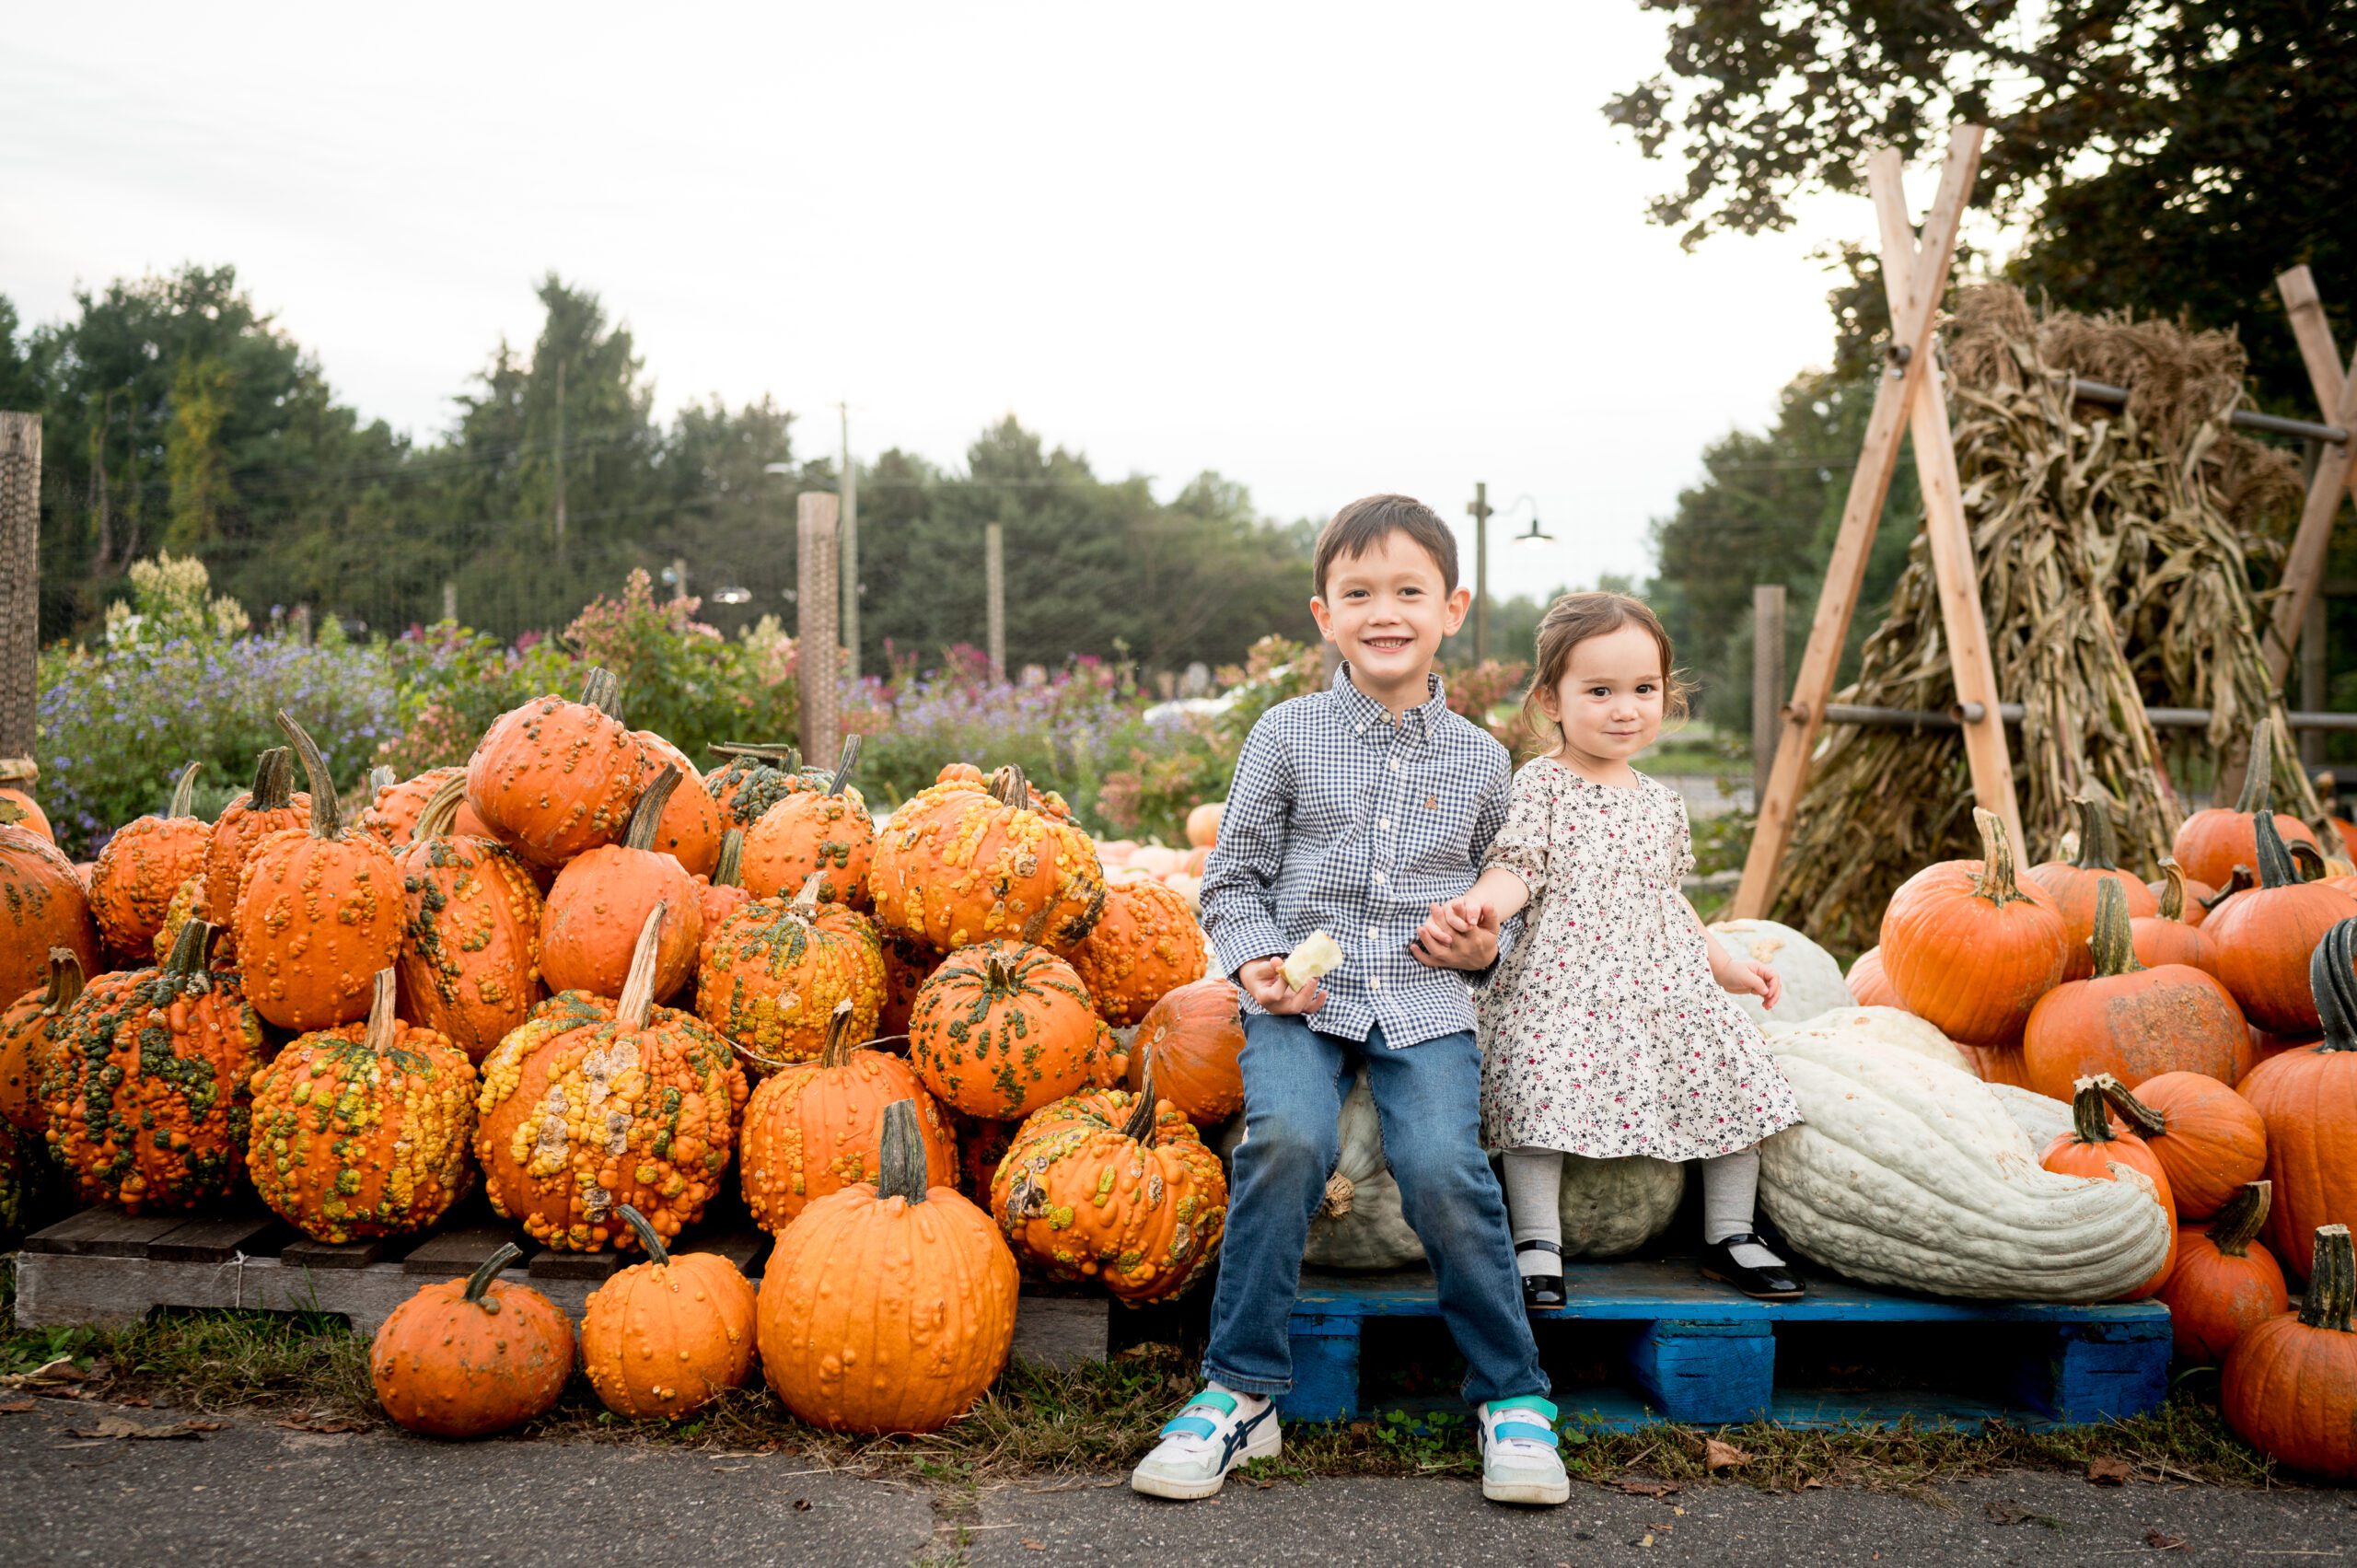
(1192,757)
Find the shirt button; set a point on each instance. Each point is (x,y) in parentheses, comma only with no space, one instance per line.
(1395,764)
(1385,824)
(1378,879)
(1375,985)
(1361,730)
(1370,932)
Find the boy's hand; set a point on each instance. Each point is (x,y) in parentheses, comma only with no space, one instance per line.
(1459,935)
(1265,980)
(1746,978)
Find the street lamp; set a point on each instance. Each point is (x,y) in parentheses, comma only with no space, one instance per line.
(1480,511)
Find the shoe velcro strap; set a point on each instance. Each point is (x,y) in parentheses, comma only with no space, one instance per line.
(1507,1431)
(1537,1405)
(1536,1245)
(1213,1398)
(1188,1426)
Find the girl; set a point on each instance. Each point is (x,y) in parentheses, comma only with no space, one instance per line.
(1602,1034)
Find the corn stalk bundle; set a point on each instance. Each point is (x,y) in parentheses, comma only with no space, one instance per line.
(2116,550)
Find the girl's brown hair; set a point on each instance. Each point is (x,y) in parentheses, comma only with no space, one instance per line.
(1572,620)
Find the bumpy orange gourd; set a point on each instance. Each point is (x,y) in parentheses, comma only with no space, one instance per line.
(272,807)
(2210,1140)
(471,930)
(1004,1027)
(27,1027)
(665,1337)
(2262,939)
(318,911)
(890,1308)
(1115,1186)
(1869,987)
(465,1358)
(691,827)
(365,1129)
(16,795)
(2213,842)
(2092,1148)
(2128,1020)
(146,1087)
(2073,883)
(756,777)
(1146,944)
(142,867)
(724,892)
(1967,946)
(2289,1387)
(813,1128)
(593,1104)
(2224,1283)
(42,905)
(393,815)
(2307,1096)
(598,905)
(960,865)
(771,976)
(2167,936)
(185,906)
(554,779)
(1189,1041)
(824,833)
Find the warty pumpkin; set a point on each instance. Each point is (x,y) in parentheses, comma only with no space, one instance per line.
(961,864)
(824,833)
(593,1104)
(692,824)
(18,806)
(813,1128)
(771,975)
(1191,1041)
(42,905)
(393,815)
(363,1130)
(554,779)
(2213,842)
(2212,1141)
(319,912)
(27,1027)
(1868,985)
(1966,946)
(2289,1387)
(890,1308)
(1147,943)
(757,776)
(142,867)
(1113,1186)
(273,806)
(145,1089)
(2224,1283)
(2073,883)
(471,930)
(466,1358)
(2166,936)
(2130,1021)
(596,908)
(2307,1096)
(667,1337)
(2092,1148)
(724,892)
(2262,939)
(1002,1028)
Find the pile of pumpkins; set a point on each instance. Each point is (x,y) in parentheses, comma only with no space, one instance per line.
(1180,870)
(591,979)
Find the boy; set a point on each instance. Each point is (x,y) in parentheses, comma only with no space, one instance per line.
(1356,811)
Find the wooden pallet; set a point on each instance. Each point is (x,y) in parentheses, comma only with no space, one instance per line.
(1690,1350)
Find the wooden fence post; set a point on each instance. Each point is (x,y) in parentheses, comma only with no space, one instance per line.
(818,656)
(995,594)
(20,581)
(1767,683)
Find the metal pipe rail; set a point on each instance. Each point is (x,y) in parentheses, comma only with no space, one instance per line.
(1961,713)
(2105,392)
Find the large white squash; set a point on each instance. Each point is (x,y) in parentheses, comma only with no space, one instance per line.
(1611,1207)
(2042,1117)
(1910,1174)
(1359,1226)
(1897,1028)
(1813,982)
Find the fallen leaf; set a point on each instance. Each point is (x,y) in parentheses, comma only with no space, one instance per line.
(2161,1541)
(1030,1545)
(802,1504)
(1718,1455)
(325,1423)
(2109,1473)
(2006,1513)
(50,1374)
(1647,1541)
(15,1406)
(1809,1483)
(1636,1487)
(120,1427)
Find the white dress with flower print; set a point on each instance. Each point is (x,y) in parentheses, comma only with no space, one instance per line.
(1603,1033)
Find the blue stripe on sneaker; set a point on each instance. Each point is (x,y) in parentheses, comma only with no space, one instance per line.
(1521,1429)
(1189,1425)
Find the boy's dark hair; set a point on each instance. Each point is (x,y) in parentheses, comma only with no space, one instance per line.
(1357,527)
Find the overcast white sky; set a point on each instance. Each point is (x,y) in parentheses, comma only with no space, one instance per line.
(1322,249)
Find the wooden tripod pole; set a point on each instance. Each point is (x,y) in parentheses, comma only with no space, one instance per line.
(2336,391)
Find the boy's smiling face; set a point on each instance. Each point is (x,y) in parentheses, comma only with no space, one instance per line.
(1386,610)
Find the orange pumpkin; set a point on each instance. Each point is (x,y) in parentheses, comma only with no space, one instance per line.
(2192,896)
(27,1028)
(470,933)
(1203,824)
(813,1128)
(724,892)
(2210,1140)
(1003,1028)
(42,905)
(756,777)
(2224,1283)
(2262,939)
(2307,1096)
(890,1308)
(599,904)
(961,864)
(1998,1063)
(2213,842)
(1146,944)
(273,806)
(142,867)
(1189,1041)
(2073,883)
(1115,1186)
(393,815)
(555,779)
(667,1337)
(1967,946)
(466,1358)
(2092,1148)
(2289,1387)
(824,833)
(2128,1020)
(691,827)
(771,977)
(2166,936)
(28,812)
(1868,985)
(318,911)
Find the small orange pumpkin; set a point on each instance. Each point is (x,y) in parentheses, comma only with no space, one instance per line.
(2166,936)
(1146,944)
(2307,1096)
(273,806)
(142,867)
(2092,1148)
(961,864)
(1869,987)
(2262,939)
(25,1029)
(16,795)
(470,933)
(2073,883)
(757,776)
(724,892)
(2213,842)
(554,779)
(691,827)
(771,976)
(1003,1028)
(1189,1041)
(2289,1387)
(2128,1020)
(599,904)
(393,815)
(2224,1283)
(1970,947)
(667,1337)
(42,905)
(2192,898)
(466,1358)
(824,833)
(1203,824)
(2210,1140)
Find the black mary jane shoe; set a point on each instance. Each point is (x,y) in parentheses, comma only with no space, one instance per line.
(1541,1292)
(1763,1285)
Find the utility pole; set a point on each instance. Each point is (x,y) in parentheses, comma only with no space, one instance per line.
(850,542)
(1479,509)
(560,461)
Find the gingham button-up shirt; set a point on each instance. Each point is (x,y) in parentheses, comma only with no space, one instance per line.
(1341,820)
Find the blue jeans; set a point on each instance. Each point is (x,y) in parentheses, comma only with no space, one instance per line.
(1429,1096)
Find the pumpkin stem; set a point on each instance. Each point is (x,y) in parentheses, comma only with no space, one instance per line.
(2141,1119)
(647,815)
(2332,1281)
(11,813)
(2239,1218)
(601,688)
(1138,1127)
(837,1051)
(2114,949)
(2257,798)
(488,1271)
(183,792)
(273,780)
(2275,867)
(2098,850)
(806,903)
(729,870)
(901,1173)
(381,1021)
(2172,890)
(65,979)
(2090,1122)
(2239,881)
(637,999)
(380,779)
(657,1253)
(2333,976)
(1010,786)
(2307,860)
(997,973)
(1995,882)
(842,768)
(327,812)
(441,813)
(189,950)
(757,751)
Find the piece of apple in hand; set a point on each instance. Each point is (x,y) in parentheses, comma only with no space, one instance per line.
(1318,955)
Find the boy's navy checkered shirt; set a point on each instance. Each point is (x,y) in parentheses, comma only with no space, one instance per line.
(1340,821)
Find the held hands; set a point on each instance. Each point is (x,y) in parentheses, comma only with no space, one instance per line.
(1459,935)
(1745,978)
(1265,980)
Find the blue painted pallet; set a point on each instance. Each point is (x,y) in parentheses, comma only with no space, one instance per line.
(1697,1352)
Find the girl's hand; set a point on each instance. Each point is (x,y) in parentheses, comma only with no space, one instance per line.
(1745,978)
(1459,935)
(1265,979)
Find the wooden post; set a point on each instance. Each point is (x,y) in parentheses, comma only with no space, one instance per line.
(994,593)
(449,599)
(1767,682)
(2336,394)
(1861,513)
(1480,510)
(850,552)
(818,656)
(20,581)
(2312,681)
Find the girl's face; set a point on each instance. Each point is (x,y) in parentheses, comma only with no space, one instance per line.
(1608,703)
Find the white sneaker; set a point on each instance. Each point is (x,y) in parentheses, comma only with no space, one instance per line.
(1205,1440)
(1519,1463)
